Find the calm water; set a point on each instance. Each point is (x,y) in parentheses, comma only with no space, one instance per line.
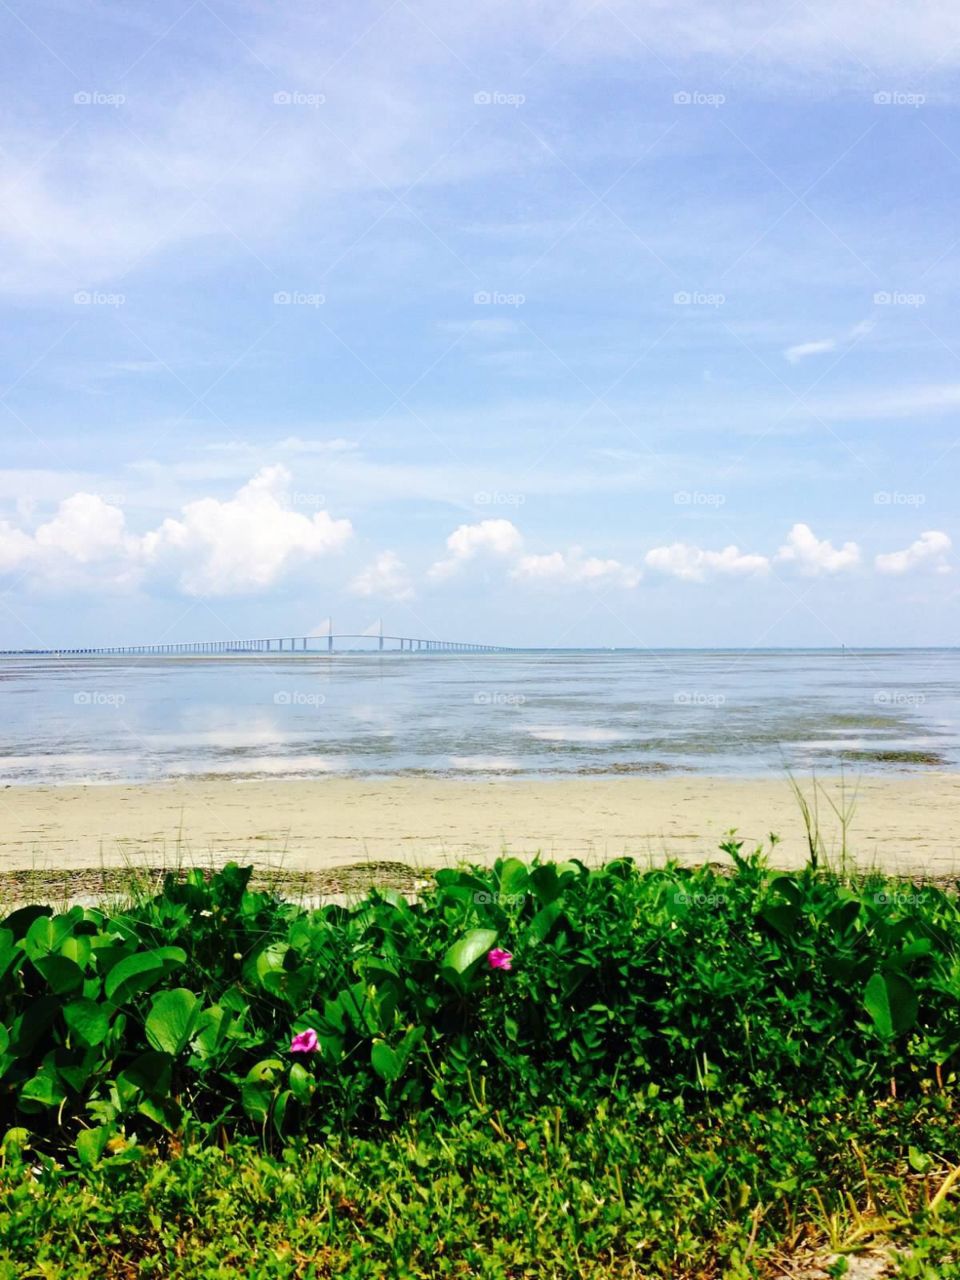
(533,714)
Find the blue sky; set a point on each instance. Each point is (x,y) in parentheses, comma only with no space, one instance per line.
(592,323)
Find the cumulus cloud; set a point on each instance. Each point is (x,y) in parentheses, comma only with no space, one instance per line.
(928,551)
(497,538)
(386,576)
(693,564)
(86,528)
(246,543)
(573,567)
(215,548)
(812,556)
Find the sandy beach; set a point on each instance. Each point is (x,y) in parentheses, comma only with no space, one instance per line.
(903,823)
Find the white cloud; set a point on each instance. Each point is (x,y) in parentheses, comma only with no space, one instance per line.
(693,564)
(811,556)
(86,528)
(573,567)
(16,547)
(386,576)
(929,551)
(246,543)
(496,538)
(804,349)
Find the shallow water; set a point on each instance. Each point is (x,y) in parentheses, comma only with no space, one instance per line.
(521,714)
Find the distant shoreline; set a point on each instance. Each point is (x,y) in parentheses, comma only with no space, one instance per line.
(903,823)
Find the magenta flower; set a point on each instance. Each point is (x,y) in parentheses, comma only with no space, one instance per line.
(304,1042)
(499,959)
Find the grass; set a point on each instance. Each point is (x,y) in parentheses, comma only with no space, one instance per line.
(642,1187)
(687,1072)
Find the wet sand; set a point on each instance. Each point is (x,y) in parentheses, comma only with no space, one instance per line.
(904,823)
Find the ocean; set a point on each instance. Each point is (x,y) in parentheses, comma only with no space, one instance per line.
(547,713)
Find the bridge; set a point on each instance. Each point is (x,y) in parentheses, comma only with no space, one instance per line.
(326,643)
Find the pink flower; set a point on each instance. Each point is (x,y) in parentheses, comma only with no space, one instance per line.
(499,959)
(304,1042)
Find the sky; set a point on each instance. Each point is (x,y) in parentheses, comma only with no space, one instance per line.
(591,323)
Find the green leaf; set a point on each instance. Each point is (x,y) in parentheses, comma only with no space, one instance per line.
(260,1088)
(782,917)
(302,1083)
(91,1144)
(42,1090)
(514,877)
(63,976)
(544,920)
(171,1021)
(140,971)
(387,1064)
(150,1073)
(88,1021)
(891,1002)
(469,950)
(45,935)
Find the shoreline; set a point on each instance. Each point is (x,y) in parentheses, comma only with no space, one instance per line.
(902,824)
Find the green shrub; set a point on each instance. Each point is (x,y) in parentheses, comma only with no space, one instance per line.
(175,1015)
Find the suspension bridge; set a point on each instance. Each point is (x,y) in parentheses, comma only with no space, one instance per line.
(325,642)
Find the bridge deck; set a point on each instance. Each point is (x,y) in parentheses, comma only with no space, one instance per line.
(273,644)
